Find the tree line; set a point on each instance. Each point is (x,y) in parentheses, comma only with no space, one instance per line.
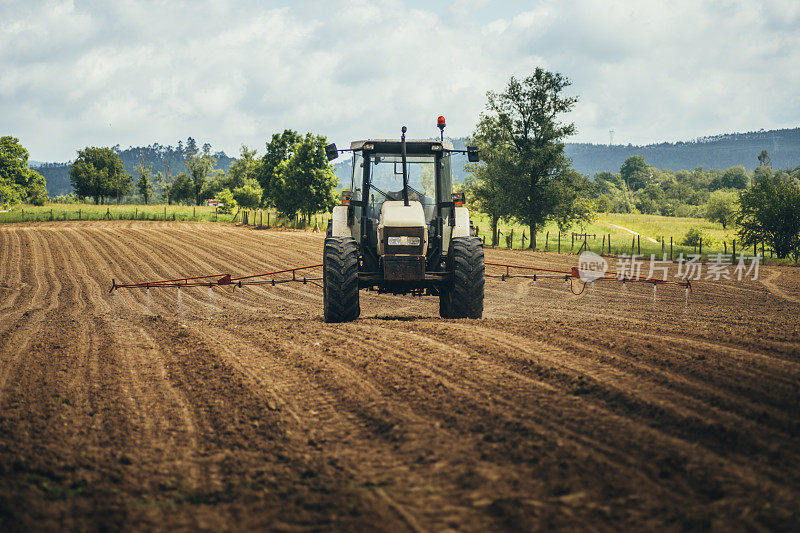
(293,176)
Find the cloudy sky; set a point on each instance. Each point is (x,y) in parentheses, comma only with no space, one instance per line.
(78,73)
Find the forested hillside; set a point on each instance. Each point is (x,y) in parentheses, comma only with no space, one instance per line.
(719,151)
(157,156)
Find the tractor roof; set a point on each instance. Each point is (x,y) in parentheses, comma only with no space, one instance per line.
(417,146)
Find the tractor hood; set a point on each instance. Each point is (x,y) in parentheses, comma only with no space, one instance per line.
(399,220)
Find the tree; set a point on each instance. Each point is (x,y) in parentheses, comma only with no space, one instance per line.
(18,183)
(733,178)
(764,160)
(635,172)
(143,183)
(183,189)
(246,167)
(214,184)
(572,204)
(249,194)
(722,207)
(165,181)
(99,173)
(770,213)
(279,149)
(305,181)
(227,203)
(488,183)
(199,166)
(528,112)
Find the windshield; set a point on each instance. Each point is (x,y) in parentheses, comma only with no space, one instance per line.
(386,176)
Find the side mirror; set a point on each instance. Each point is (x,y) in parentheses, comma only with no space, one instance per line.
(332,153)
(346,197)
(458,199)
(472,154)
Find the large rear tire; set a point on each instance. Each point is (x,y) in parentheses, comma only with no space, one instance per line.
(462,296)
(340,279)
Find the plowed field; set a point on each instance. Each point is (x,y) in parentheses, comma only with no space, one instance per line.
(608,410)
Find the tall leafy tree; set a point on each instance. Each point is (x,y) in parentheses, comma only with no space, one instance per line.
(305,180)
(635,172)
(18,183)
(183,189)
(770,213)
(143,182)
(199,165)
(246,167)
(99,173)
(487,187)
(279,149)
(248,195)
(528,112)
(722,207)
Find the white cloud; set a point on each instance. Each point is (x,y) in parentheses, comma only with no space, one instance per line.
(235,72)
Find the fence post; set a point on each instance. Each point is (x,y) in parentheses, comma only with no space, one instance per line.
(725,245)
(523,239)
(547,242)
(573,242)
(165,213)
(701,248)
(511,246)
(670,248)
(663,244)
(216,213)
(733,257)
(603,248)
(267,219)
(639,244)
(633,244)
(79,213)
(559,241)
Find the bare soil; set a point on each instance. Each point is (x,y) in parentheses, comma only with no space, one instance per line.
(604,411)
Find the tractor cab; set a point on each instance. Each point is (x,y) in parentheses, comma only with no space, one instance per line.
(400,229)
(378,170)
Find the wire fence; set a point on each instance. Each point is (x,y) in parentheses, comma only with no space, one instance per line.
(662,247)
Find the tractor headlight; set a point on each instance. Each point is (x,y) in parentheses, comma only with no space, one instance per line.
(403,240)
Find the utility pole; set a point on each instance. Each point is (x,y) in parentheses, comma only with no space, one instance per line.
(610,137)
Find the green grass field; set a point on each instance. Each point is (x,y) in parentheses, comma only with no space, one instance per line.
(650,227)
(607,226)
(61,212)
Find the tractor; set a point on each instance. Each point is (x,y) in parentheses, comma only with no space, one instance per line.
(401,230)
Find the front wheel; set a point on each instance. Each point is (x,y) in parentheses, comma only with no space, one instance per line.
(462,295)
(340,279)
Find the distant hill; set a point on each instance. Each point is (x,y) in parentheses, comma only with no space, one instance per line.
(720,151)
(156,156)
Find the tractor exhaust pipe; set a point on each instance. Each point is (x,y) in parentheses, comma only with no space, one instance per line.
(405,172)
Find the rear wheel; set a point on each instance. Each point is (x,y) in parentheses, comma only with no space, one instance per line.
(340,279)
(462,296)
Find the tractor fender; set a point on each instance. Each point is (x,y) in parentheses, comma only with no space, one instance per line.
(339,227)
(461,229)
